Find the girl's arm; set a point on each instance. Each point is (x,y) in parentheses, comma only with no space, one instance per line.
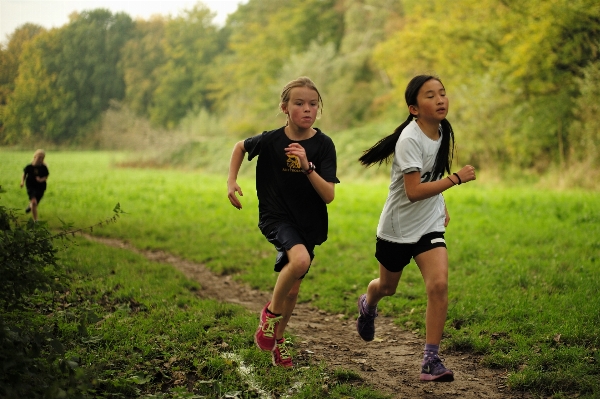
(417,191)
(237,157)
(325,189)
(22,180)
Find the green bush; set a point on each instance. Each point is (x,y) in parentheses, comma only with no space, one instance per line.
(27,259)
(32,356)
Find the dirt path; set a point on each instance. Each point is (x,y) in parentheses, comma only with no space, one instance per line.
(390,363)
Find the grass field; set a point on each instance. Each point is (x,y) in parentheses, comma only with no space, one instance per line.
(524,263)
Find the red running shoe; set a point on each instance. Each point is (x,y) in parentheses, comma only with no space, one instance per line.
(281,355)
(267,329)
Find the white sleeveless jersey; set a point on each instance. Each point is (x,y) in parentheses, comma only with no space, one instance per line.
(402,221)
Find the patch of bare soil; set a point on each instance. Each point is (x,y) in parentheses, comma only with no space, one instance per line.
(390,363)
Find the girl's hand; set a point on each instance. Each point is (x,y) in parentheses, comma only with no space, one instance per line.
(232,188)
(447,220)
(297,150)
(467,173)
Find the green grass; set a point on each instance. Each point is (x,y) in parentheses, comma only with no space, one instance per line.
(136,327)
(523,263)
(155,331)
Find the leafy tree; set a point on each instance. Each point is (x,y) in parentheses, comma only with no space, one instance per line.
(9,56)
(345,73)
(530,52)
(584,133)
(67,77)
(143,55)
(190,45)
(263,34)
(35,103)
(10,59)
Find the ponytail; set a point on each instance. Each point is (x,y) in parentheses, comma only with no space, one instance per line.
(443,160)
(384,148)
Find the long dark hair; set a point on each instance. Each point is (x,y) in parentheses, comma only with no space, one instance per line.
(384,149)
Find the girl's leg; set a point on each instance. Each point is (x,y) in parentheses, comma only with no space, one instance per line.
(275,316)
(33,205)
(287,286)
(434,269)
(288,307)
(383,286)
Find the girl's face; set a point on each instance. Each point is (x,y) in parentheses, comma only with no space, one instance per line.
(302,107)
(38,159)
(432,103)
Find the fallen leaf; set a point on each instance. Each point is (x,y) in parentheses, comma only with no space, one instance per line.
(557,338)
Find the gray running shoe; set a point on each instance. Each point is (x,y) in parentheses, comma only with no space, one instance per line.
(434,370)
(365,324)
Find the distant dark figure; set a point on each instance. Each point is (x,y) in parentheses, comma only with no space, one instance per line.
(34,177)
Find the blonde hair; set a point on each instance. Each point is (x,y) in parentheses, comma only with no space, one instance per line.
(302,81)
(41,154)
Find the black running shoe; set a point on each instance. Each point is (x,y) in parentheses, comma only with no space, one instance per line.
(365,324)
(434,370)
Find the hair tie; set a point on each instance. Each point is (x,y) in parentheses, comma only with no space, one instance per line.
(458,177)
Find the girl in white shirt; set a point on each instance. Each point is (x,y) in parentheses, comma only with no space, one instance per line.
(414,217)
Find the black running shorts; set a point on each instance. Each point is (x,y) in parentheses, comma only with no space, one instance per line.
(284,236)
(394,256)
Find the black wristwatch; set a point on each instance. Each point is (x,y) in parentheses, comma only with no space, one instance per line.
(311,167)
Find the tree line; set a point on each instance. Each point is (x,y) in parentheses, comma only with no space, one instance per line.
(523,77)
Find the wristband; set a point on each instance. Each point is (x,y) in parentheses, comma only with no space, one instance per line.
(311,167)
(458,177)
(454,184)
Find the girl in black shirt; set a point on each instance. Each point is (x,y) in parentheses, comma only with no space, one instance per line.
(34,177)
(295,180)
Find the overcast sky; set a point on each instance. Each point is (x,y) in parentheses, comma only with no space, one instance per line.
(54,13)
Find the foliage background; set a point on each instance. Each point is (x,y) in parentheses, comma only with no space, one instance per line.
(522,77)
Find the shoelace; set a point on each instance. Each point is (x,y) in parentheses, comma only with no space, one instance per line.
(268,326)
(433,364)
(283,350)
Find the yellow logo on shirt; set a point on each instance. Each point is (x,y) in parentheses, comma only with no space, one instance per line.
(293,162)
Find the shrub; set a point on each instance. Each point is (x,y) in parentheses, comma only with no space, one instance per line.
(27,259)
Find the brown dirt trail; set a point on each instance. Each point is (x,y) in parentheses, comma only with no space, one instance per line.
(389,364)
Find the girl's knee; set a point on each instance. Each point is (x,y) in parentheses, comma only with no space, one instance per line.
(438,288)
(383,288)
(387,290)
(301,269)
(300,263)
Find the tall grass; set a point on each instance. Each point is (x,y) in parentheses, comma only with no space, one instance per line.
(523,262)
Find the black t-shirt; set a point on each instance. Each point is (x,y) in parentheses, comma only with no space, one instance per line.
(33,171)
(284,193)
